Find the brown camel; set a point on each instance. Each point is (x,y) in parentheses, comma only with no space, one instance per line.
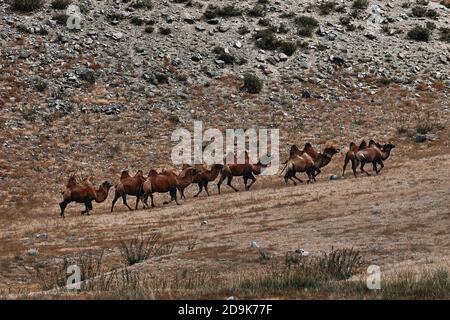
(160,183)
(204,176)
(129,185)
(321,159)
(375,155)
(299,163)
(246,170)
(185,178)
(350,155)
(83,192)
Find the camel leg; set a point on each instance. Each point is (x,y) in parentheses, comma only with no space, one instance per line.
(124,199)
(88,205)
(297,178)
(380,162)
(200,188)
(206,188)
(229,183)
(151,198)
(252,177)
(347,159)
(374,165)
(182,196)
(315,173)
(245,182)
(173,195)
(117,196)
(144,199)
(221,179)
(355,164)
(363,163)
(63,206)
(137,202)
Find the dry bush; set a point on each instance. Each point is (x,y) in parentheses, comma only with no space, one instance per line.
(141,248)
(26,5)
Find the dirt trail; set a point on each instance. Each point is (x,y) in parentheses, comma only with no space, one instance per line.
(399,219)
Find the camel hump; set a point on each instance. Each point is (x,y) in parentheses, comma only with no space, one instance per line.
(152,172)
(362,145)
(124,174)
(295,151)
(139,173)
(72,182)
(352,145)
(372,143)
(185,166)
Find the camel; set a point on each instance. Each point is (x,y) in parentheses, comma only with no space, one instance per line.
(129,185)
(299,163)
(350,155)
(375,154)
(246,170)
(185,178)
(83,192)
(321,159)
(204,176)
(160,183)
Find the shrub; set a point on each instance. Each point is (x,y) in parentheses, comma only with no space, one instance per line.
(306,25)
(419,33)
(432,14)
(149,29)
(327,7)
(266,39)
(252,84)
(26,5)
(288,47)
(243,30)
(61,4)
(60,18)
(224,56)
(345,21)
(257,11)
(445,34)
(360,4)
(137,21)
(419,11)
(165,31)
(140,248)
(142,4)
(225,11)
(264,22)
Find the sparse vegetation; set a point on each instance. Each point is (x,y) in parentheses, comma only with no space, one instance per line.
(149,29)
(165,31)
(252,84)
(419,33)
(141,248)
(360,4)
(257,11)
(288,47)
(26,5)
(61,4)
(327,7)
(306,25)
(445,34)
(266,39)
(225,11)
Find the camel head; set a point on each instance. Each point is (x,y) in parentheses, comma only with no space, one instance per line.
(330,151)
(107,185)
(388,147)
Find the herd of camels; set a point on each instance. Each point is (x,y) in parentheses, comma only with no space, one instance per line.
(307,160)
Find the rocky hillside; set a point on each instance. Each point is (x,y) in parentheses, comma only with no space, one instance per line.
(107,94)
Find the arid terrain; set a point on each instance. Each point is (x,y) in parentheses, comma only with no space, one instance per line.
(106,97)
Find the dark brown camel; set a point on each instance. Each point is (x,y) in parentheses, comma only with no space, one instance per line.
(83,192)
(185,178)
(205,175)
(129,185)
(375,155)
(350,155)
(299,163)
(160,183)
(321,159)
(246,170)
